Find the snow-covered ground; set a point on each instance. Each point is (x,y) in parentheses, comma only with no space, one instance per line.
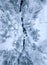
(17,35)
(41,24)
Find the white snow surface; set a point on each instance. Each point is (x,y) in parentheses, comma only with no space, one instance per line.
(41,24)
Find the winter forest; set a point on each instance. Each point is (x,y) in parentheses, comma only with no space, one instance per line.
(23,32)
